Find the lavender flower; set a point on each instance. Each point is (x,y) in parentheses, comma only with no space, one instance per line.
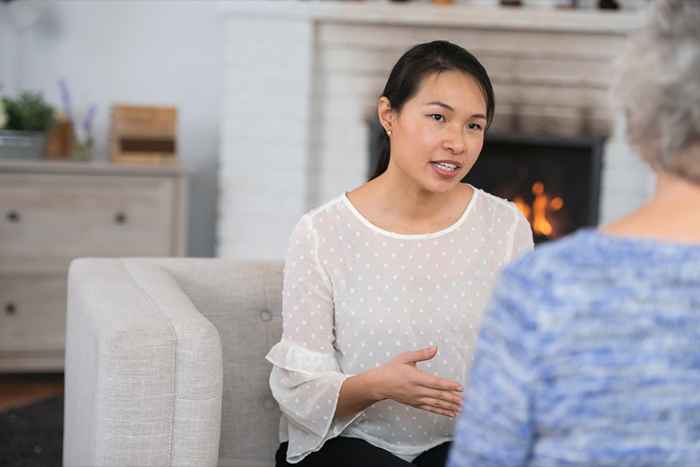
(87,122)
(65,98)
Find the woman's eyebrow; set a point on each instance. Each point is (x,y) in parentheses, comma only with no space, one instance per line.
(441,104)
(450,108)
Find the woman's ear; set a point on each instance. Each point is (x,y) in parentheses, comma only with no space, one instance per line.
(385,114)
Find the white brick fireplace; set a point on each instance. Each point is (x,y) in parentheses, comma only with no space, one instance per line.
(303,77)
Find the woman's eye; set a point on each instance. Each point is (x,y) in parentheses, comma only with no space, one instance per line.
(474,126)
(438,117)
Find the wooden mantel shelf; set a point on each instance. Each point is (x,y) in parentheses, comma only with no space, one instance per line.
(457,15)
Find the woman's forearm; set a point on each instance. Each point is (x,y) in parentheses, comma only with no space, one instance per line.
(358,392)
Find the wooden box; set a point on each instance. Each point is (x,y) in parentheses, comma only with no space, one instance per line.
(143,134)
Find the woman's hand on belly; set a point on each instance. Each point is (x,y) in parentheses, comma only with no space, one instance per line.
(401,381)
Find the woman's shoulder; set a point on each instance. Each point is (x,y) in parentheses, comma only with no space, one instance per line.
(499,208)
(328,216)
(328,210)
(584,252)
(317,224)
(592,247)
(333,205)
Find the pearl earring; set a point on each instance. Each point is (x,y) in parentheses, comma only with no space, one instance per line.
(388,132)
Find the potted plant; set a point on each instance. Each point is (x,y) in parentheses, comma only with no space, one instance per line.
(24,122)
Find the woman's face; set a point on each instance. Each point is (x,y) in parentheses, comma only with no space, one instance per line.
(438,135)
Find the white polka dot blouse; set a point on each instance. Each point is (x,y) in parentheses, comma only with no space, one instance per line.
(355,296)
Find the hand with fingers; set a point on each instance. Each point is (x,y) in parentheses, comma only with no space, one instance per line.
(402,381)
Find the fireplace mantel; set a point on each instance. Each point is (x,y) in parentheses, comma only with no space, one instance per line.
(303,77)
(457,15)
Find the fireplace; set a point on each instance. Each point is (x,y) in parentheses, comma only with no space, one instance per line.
(554,181)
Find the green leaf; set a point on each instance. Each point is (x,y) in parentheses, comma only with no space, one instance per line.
(29,112)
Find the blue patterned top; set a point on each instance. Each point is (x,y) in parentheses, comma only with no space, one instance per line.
(589,355)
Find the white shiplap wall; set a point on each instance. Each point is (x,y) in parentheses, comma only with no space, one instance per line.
(264,134)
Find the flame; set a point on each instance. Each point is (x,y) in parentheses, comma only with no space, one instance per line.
(523,206)
(537,213)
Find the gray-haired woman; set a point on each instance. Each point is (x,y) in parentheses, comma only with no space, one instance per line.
(589,355)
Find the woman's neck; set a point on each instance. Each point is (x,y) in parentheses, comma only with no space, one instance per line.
(398,206)
(673,214)
(408,200)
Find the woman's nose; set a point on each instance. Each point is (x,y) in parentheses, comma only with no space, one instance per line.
(454,140)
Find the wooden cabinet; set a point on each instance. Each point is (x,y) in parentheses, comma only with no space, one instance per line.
(52,212)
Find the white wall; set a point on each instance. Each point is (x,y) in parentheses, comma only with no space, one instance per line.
(627,182)
(156,52)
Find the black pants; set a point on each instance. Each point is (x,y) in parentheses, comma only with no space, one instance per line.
(353,452)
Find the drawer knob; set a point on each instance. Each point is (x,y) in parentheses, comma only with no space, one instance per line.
(10,309)
(120,218)
(13,216)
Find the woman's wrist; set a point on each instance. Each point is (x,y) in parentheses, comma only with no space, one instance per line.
(359,392)
(373,381)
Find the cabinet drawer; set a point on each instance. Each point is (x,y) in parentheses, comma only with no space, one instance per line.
(32,312)
(45,218)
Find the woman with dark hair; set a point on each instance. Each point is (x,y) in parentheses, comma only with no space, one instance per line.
(379,279)
(588,354)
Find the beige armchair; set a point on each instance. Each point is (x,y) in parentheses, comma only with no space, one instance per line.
(165,363)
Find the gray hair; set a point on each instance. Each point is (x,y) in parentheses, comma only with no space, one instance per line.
(658,88)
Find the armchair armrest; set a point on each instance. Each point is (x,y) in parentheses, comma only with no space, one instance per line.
(143,369)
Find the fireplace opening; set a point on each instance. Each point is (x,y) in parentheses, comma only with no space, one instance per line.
(554,181)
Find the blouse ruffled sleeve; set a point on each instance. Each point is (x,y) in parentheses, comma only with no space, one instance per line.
(306,378)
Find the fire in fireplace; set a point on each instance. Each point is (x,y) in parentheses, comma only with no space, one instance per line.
(542,212)
(554,181)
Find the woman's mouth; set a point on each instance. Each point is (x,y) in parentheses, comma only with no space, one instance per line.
(446,169)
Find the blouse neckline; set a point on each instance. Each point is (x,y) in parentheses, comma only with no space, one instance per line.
(424,236)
